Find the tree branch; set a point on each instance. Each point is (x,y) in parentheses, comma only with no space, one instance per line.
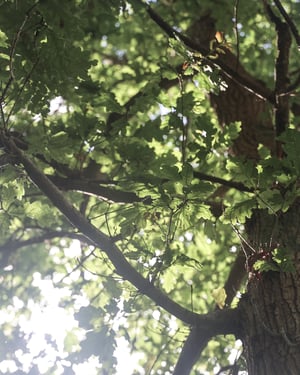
(235,278)
(218,322)
(197,340)
(284,41)
(93,188)
(242,78)
(192,348)
(289,21)
(11,246)
(231,184)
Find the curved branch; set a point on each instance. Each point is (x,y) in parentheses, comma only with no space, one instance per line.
(218,322)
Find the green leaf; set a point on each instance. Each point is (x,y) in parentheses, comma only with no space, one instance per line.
(240,211)
(271,199)
(170,172)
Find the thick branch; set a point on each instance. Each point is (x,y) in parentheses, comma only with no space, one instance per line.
(93,188)
(218,322)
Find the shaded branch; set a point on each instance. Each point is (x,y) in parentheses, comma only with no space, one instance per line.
(96,188)
(218,322)
(231,184)
(107,193)
(93,188)
(76,180)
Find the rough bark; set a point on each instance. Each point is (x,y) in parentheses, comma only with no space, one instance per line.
(237,103)
(271,306)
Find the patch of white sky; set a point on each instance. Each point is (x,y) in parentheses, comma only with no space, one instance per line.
(58,105)
(49,319)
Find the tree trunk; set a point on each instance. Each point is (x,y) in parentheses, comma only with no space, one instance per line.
(271,306)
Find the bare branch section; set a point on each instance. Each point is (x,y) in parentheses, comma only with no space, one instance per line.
(218,322)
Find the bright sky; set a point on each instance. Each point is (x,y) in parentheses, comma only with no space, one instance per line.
(49,318)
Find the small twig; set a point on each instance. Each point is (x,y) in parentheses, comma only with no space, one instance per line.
(16,39)
(162,350)
(11,67)
(14,46)
(78,265)
(21,90)
(236,9)
(2,98)
(184,127)
(2,115)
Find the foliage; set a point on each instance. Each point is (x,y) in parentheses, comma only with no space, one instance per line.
(135,145)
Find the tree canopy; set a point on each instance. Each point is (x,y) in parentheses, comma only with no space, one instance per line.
(137,139)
